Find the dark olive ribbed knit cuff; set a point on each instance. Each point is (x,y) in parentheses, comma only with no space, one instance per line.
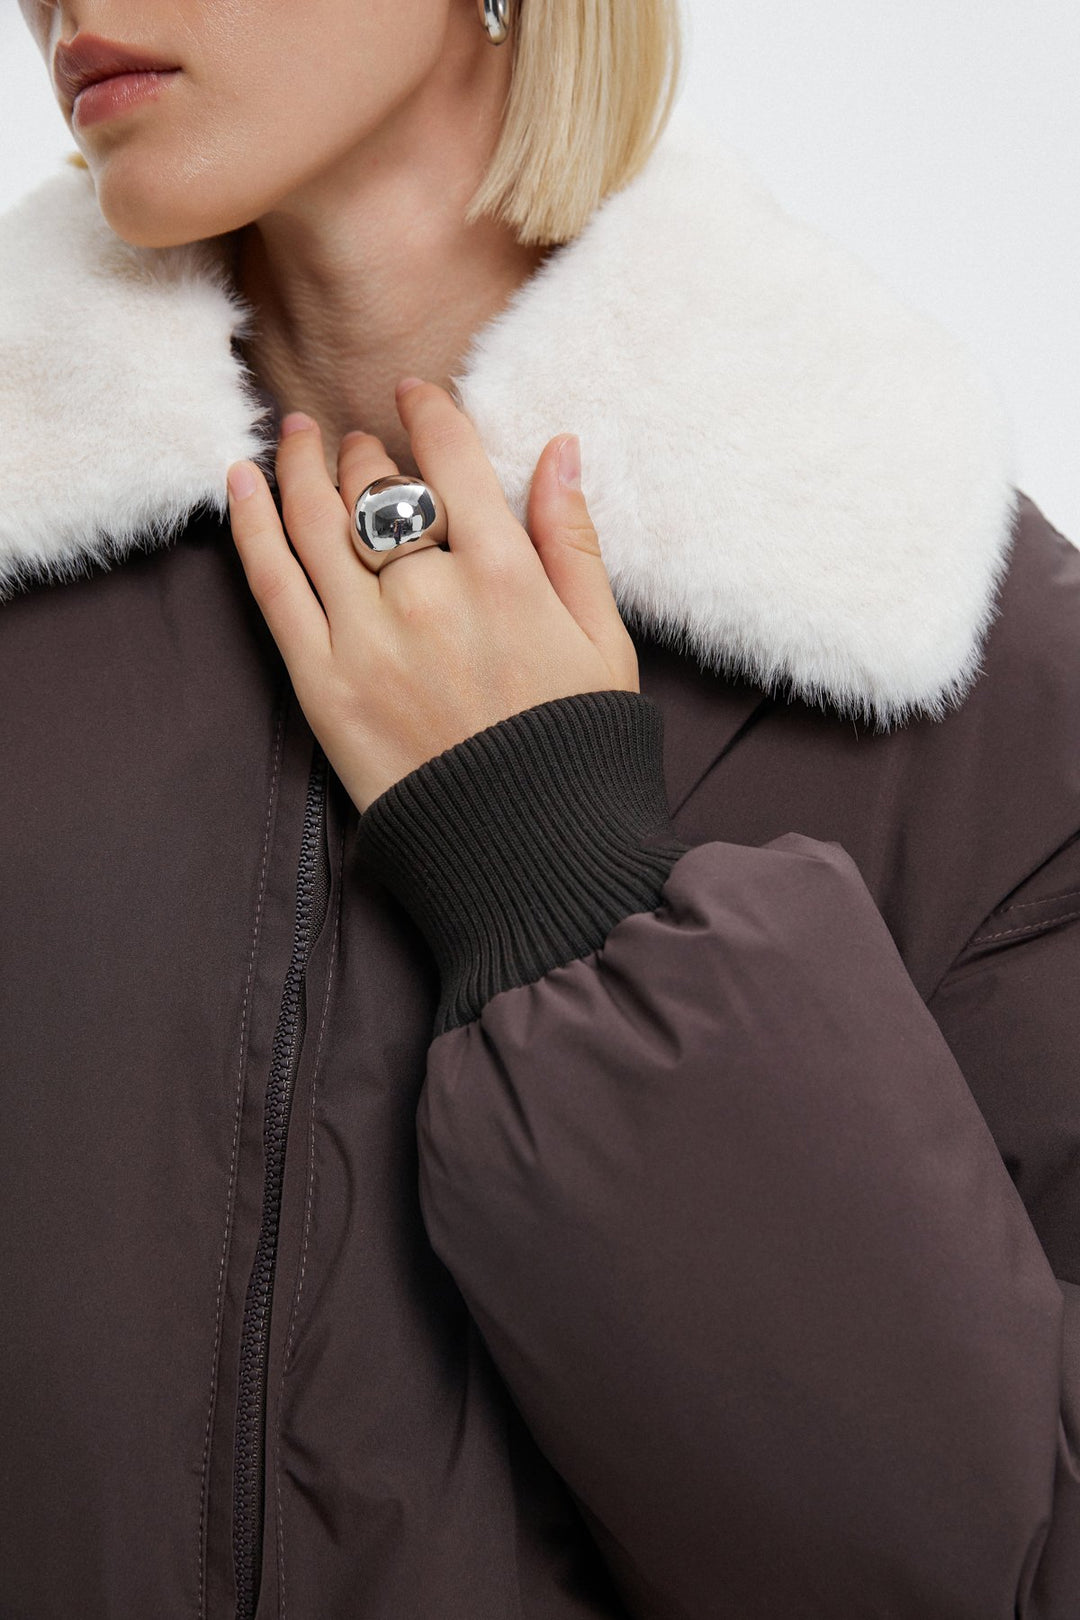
(520,848)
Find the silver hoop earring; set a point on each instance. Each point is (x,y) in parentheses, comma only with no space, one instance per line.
(495,16)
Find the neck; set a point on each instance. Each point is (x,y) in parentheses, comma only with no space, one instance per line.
(368,272)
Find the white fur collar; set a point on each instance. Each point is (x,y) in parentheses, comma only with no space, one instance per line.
(795,477)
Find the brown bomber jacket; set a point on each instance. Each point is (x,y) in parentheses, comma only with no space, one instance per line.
(633,1169)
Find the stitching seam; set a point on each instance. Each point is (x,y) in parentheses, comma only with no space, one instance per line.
(307,1223)
(1021,905)
(1023,928)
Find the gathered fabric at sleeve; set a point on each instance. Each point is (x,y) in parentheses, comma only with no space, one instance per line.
(712,1184)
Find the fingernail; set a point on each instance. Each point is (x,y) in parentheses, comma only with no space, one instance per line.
(570,463)
(242,481)
(406,383)
(295,422)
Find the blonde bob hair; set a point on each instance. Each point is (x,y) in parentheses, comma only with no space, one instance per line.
(593,83)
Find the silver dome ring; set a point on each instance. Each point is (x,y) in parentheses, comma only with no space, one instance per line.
(395,516)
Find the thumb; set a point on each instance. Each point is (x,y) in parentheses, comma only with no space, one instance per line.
(566,541)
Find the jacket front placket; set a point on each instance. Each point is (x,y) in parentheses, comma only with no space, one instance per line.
(289,971)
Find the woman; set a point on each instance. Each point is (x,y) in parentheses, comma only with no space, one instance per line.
(540,1076)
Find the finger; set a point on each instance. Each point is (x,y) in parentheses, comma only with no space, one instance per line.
(316,519)
(565,537)
(361,459)
(451,457)
(277,581)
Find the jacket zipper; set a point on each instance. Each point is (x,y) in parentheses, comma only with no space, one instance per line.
(249,1457)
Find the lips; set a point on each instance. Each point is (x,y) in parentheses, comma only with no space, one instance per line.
(88,59)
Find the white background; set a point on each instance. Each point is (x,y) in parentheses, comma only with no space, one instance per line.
(939,139)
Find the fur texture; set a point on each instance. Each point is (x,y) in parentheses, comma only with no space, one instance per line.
(795,476)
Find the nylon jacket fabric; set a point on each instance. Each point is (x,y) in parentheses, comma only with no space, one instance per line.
(725,1263)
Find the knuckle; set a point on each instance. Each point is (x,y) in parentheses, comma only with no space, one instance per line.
(268,585)
(303,507)
(419,610)
(502,571)
(409,591)
(439,435)
(433,417)
(580,533)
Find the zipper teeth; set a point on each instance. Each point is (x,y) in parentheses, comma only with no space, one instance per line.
(250,1451)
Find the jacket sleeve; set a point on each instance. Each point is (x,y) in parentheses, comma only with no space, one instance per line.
(713,1186)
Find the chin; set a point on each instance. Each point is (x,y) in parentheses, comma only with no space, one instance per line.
(150,207)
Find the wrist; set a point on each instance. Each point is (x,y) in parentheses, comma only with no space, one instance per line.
(520,848)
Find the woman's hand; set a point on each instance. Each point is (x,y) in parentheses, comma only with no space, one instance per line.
(393,667)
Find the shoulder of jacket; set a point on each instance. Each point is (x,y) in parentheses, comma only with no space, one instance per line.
(982,804)
(1029,677)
